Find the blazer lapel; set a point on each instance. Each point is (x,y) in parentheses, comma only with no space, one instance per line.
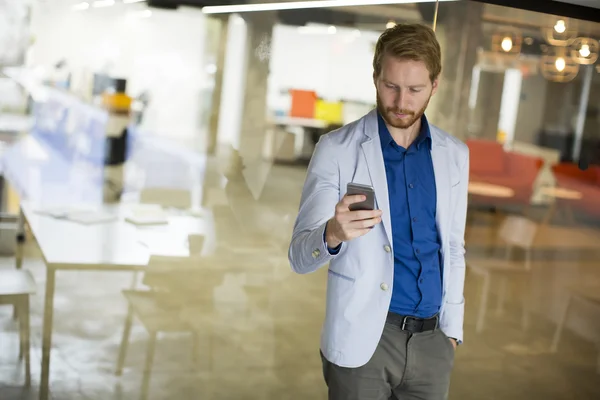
(374,158)
(441,168)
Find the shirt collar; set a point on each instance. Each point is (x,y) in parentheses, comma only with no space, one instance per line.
(386,137)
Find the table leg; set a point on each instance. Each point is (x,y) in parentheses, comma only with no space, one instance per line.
(19,250)
(47,335)
(550,213)
(18,265)
(569,214)
(21,227)
(20,239)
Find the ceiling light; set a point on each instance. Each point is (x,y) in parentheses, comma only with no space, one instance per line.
(141,14)
(560,26)
(584,51)
(390,25)
(507,44)
(296,5)
(81,6)
(132,1)
(103,3)
(317,30)
(560,64)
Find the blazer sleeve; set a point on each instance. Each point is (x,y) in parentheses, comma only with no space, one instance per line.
(320,194)
(453,317)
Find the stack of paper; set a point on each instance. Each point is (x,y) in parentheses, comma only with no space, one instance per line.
(91,217)
(81,214)
(147,214)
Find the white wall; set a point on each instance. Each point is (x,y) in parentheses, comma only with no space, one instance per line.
(336,65)
(14,31)
(232,98)
(530,119)
(509,105)
(162,54)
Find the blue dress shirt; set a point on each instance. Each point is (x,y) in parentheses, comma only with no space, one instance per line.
(417,289)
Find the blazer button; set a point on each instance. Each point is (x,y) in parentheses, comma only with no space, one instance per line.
(316,253)
(387,248)
(384,286)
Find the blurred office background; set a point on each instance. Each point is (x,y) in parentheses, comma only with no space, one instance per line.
(152,157)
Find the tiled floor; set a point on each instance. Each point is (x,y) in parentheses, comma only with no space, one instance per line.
(259,330)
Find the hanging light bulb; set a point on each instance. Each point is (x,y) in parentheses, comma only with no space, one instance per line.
(507,44)
(584,51)
(560,26)
(560,64)
(390,24)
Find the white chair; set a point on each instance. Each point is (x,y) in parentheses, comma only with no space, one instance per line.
(581,293)
(515,232)
(16,285)
(158,307)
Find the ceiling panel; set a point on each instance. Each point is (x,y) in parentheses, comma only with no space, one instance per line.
(585,3)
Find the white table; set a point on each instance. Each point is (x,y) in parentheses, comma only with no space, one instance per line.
(302,131)
(490,190)
(109,246)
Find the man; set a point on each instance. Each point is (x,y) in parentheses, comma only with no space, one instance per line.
(395,305)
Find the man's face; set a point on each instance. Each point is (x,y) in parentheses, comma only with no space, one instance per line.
(403,91)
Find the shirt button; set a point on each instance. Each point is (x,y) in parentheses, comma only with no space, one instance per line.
(421,280)
(411,186)
(387,248)
(316,253)
(418,251)
(384,286)
(415,219)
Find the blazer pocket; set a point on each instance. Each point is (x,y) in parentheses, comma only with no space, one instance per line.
(455,184)
(337,274)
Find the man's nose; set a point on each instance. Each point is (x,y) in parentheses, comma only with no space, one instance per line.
(402,100)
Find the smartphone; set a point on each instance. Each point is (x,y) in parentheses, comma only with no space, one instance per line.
(357,188)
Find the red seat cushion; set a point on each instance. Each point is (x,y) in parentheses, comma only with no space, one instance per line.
(486,157)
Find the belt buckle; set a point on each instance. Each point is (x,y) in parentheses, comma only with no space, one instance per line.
(404,322)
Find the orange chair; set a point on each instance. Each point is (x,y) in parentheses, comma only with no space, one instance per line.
(303,103)
(490,163)
(570,176)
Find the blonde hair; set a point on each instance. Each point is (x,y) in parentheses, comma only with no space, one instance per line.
(411,42)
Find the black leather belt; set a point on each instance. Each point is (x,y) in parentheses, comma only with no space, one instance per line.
(413,324)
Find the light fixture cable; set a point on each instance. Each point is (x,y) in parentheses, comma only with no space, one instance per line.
(435,14)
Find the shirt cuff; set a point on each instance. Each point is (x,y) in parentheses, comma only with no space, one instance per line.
(332,251)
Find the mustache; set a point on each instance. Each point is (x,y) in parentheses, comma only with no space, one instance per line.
(400,111)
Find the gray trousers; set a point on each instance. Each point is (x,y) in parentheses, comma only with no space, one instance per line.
(405,366)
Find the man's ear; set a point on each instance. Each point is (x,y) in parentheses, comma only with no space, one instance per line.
(435,84)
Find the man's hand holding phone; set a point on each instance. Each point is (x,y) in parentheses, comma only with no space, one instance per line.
(347,225)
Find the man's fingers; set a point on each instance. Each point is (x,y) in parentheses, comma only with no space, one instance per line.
(350,216)
(363,214)
(362,224)
(351,199)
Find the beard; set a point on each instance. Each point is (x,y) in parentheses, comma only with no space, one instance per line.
(411,117)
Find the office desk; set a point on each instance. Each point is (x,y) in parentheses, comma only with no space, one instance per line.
(108,246)
(298,131)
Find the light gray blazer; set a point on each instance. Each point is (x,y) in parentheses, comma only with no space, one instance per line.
(360,278)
